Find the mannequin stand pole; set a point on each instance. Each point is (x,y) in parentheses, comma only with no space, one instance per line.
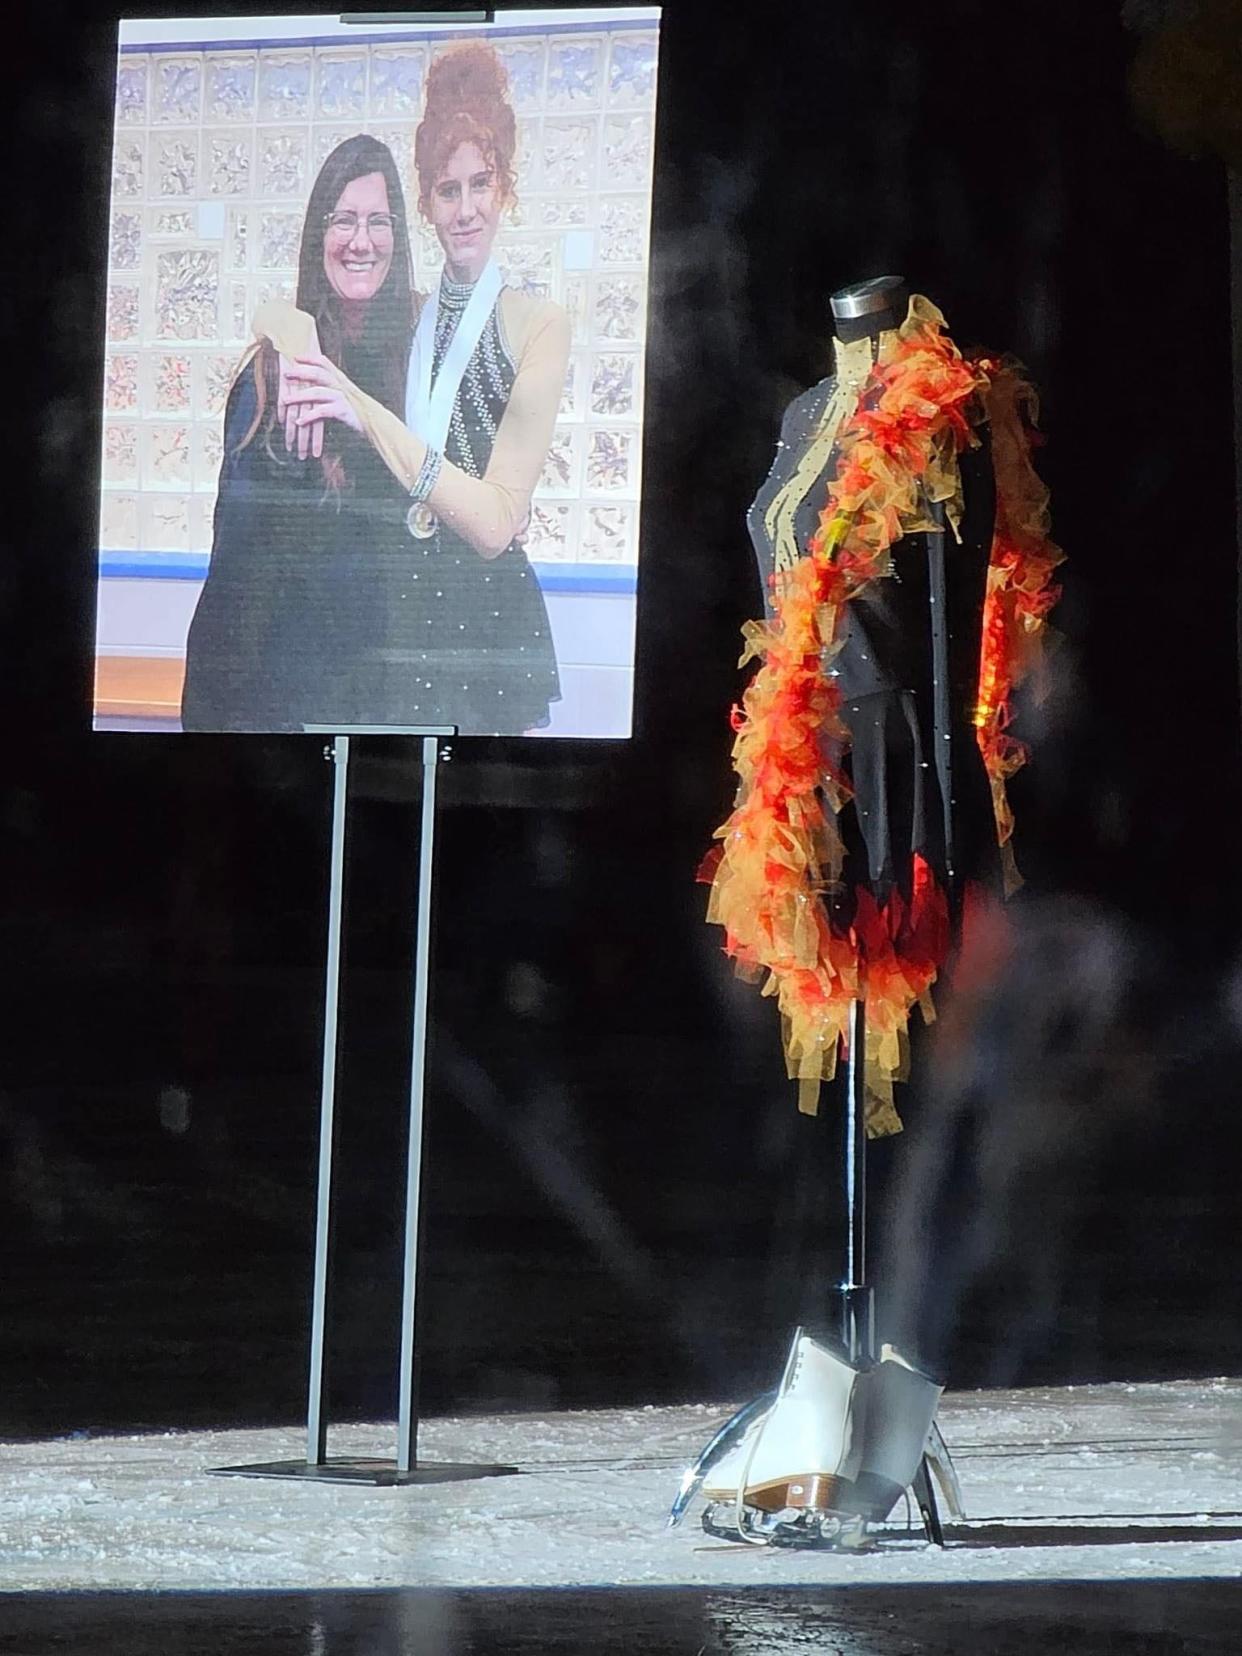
(857,1299)
(856,1296)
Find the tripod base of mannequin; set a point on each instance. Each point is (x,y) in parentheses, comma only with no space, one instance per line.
(363,1470)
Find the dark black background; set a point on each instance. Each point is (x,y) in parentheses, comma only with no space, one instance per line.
(623,1205)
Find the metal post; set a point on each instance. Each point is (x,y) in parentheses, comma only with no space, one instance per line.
(1235,261)
(855,1154)
(942,736)
(407,1411)
(316,1423)
(857,1316)
(942,709)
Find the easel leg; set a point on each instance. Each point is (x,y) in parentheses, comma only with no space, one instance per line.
(407,1410)
(316,1422)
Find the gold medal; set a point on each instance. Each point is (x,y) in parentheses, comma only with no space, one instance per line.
(421,521)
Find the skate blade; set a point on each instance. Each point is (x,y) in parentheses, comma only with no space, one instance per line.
(945,1473)
(726,1439)
(792,1529)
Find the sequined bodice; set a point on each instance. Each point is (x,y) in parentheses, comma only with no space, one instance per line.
(485,386)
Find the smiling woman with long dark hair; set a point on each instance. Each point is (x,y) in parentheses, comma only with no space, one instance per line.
(308,558)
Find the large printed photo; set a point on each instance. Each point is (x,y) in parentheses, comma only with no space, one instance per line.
(373,395)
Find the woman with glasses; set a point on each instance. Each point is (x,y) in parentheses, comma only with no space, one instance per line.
(486,376)
(294,623)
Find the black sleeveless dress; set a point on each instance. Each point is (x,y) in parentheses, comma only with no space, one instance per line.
(471,642)
(291,624)
(917,775)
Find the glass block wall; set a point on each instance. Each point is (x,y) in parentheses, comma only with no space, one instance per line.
(215,154)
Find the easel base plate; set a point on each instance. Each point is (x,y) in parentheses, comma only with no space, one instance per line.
(378,1473)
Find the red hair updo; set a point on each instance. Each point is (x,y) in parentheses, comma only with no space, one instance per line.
(467,102)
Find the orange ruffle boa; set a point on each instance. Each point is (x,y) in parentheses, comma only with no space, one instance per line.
(781,848)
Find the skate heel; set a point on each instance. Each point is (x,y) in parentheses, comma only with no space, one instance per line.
(816,1491)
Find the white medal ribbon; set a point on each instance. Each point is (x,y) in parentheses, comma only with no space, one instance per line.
(428,411)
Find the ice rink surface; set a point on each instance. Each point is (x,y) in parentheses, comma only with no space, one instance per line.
(1078,1484)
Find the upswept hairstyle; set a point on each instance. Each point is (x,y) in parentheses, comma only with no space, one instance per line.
(467,102)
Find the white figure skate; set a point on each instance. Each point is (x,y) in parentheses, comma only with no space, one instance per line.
(831,1451)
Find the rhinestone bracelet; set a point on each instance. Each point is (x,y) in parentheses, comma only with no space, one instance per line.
(428,475)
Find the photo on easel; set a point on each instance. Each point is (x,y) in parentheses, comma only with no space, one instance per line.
(373,393)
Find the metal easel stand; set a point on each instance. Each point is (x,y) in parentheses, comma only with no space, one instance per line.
(405,1467)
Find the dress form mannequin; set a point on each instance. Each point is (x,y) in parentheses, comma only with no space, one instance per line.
(906,701)
(918,779)
(872,790)
(907,669)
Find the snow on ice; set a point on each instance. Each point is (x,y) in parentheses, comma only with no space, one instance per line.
(1077,1483)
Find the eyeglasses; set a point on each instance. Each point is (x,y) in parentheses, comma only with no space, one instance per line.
(379,225)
